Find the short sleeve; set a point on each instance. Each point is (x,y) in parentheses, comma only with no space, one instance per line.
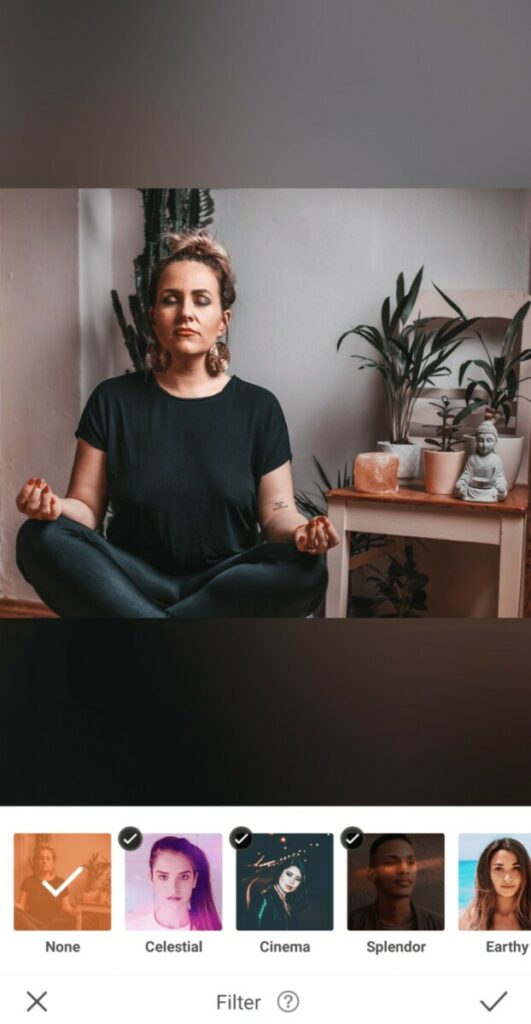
(274,447)
(93,425)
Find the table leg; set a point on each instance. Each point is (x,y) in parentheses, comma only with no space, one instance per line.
(510,587)
(338,559)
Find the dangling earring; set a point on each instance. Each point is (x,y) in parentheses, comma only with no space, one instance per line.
(218,358)
(156,359)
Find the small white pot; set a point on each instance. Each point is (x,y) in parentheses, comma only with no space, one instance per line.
(510,449)
(441,470)
(408,458)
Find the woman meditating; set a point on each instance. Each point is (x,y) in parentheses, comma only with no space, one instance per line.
(188,461)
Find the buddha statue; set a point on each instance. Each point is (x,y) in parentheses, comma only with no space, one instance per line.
(483,478)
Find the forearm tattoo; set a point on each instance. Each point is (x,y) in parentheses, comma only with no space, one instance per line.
(279,504)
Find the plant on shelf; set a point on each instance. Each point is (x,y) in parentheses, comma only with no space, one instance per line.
(499,380)
(409,356)
(165,210)
(98,871)
(443,466)
(401,586)
(447,435)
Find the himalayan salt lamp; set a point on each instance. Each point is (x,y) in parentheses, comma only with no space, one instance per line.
(376,472)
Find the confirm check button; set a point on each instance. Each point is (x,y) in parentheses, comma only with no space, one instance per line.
(493,1005)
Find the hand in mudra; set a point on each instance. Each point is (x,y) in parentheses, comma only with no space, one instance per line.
(37,500)
(316,536)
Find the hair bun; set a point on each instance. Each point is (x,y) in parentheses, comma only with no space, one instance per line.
(198,244)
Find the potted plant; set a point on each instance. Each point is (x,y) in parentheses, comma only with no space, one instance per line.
(495,389)
(443,466)
(165,210)
(98,889)
(409,356)
(401,588)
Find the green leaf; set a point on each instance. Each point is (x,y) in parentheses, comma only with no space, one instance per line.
(511,385)
(386,314)
(450,302)
(523,357)
(411,298)
(400,289)
(514,327)
(470,390)
(469,409)
(343,336)
(463,368)
(397,315)
(486,387)
(447,332)
(322,474)
(499,369)
(487,368)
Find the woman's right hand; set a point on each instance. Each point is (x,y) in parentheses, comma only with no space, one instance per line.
(37,500)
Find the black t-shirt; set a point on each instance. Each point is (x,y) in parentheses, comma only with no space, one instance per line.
(40,903)
(183,473)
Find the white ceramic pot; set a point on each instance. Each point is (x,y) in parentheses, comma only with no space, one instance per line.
(441,470)
(408,458)
(510,449)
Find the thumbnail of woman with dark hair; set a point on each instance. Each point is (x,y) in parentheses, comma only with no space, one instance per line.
(275,904)
(285,883)
(502,889)
(182,893)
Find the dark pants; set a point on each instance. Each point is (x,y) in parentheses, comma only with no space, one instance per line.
(79,574)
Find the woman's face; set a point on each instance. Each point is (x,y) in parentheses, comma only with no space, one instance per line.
(505,873)
(290,879)
(187,317)
(45,862)
(173,879)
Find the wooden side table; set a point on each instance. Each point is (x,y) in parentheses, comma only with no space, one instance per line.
(100,910)
(411,512)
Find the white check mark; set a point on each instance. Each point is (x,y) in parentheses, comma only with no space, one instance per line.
(241,839)
(130,840)
(61,888)
(352,839)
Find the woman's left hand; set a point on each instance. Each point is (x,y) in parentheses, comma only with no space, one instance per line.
(316,536)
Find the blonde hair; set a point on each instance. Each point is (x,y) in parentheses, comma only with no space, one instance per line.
(45,846)
(197,245)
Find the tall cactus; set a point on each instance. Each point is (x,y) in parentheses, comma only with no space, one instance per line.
(165,210)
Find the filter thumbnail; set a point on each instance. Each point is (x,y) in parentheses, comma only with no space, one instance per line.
(62,882)
(174,882)
(396,883)
(285,883)
(494,883)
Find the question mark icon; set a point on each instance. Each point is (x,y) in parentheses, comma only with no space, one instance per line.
(288,1001)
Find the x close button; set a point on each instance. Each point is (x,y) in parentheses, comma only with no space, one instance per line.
(37,1001)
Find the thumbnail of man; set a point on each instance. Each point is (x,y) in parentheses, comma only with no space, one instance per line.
(404,879)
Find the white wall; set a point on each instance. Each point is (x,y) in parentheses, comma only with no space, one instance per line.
(39,352)
(309,263)
(312,263)
(99,343)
